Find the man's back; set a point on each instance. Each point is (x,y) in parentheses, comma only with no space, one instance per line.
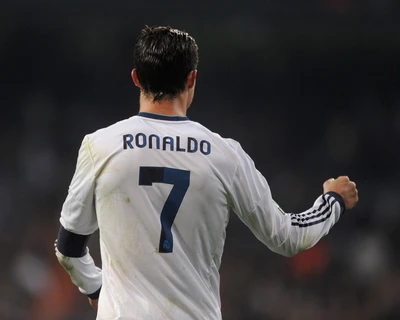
(160,188)
(162,209)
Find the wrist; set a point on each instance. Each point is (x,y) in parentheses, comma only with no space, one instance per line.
(339,199)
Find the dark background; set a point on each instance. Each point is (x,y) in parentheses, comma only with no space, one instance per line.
(309,88)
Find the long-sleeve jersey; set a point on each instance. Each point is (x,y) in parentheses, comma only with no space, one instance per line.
(160,189)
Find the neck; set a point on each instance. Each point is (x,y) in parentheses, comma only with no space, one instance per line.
(175,107)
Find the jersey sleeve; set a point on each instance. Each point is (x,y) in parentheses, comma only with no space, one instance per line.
(78,221)
(78,213)
(286,234)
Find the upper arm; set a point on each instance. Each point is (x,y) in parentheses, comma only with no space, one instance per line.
(78,213)
(253,204)
(248,185)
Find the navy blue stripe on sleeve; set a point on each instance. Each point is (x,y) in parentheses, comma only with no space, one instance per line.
(339,199)
(319,215)
(71,244)
(309,224)
(322,210)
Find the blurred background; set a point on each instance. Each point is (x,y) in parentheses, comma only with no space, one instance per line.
(309,88)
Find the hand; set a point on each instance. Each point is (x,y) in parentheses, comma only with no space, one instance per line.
(346,188)
(94,303)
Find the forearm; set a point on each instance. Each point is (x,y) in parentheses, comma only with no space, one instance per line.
(73,255)
(289,234)
(308,227)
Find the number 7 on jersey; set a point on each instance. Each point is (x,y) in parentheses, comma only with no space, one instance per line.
(180,179)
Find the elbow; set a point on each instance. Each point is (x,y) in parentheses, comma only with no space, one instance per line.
(295,252)
(286,247)
(290,253)
(289,250)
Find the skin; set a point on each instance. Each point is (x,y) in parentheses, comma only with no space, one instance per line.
(178,107)
(175,107)
(94,303)
(345,187)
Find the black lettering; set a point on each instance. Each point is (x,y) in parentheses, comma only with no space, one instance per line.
(144,140)
(178,145)
(205,147)
(157,139)
(192,148)
(127,139)
(170,142)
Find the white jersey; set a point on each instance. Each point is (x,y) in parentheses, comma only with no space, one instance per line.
(160,189)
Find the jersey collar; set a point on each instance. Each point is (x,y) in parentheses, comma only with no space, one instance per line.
(162,116)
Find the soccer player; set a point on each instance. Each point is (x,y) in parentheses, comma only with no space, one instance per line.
(160,187)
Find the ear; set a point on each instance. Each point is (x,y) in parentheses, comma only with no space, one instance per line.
(135,78)
(191,80)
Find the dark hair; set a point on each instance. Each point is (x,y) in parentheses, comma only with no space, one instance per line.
(163,59)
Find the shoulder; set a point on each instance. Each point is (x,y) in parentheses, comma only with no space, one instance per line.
(226,143)
(105,141)
(112,130)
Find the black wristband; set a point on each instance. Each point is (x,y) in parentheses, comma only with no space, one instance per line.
(339,199)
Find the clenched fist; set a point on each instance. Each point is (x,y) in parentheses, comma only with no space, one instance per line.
(346,188)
